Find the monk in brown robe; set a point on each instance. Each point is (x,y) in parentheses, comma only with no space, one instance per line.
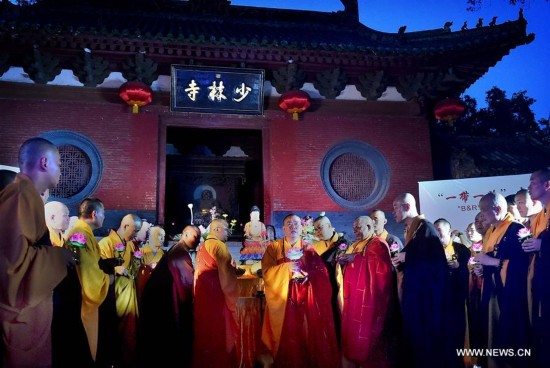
(30,268)
(298,326)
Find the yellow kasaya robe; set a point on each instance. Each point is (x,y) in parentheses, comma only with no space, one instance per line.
(150,257)
(56,238)
(298,326)
(322,246)
(94,283)
(276,278)
(29,271)
(538,225)
(125,292)
(493,236)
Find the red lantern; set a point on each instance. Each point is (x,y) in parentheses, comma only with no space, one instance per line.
(294,102)
(449,109)
(136,94)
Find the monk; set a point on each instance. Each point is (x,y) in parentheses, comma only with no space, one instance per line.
(125,285)
(379,220)
(215,304)
(152,254)
(538,247)
(458,257)
(298,327)
(29,267)
(424,288)
(93,281)
(366,298)
(167,306)
(503,265)
(57,220)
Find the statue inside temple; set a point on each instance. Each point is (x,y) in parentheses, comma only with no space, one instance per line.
(255,230)
(208,201)
(255,238)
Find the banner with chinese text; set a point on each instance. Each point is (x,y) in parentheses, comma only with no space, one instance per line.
(457,200)
(217,90)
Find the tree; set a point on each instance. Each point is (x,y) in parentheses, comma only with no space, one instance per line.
(503,116)
(474,5)
(501,139)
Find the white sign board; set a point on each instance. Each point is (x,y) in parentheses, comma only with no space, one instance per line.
(457,200)
(11,168)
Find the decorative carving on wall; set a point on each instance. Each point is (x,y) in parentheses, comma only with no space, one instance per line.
(90,69)
(140,69)
(372,85)
(41,67)
(419,85)
(331,83)
(288,78)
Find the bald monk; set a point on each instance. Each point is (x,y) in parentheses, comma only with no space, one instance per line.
(215,303)
(424,291)
(125,286)
(57,220)
(94,282)
(365,278)
(298,326)
(167,305)
(29,267)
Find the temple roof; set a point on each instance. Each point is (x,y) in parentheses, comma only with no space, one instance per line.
(329,49)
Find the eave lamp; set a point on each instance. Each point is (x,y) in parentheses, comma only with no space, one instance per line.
(136,94)
(294,102)
(448,110)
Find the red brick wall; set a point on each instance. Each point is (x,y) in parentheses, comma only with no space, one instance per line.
(299,147)
(129,144)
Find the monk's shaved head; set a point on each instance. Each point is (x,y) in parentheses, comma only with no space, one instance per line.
(32,150)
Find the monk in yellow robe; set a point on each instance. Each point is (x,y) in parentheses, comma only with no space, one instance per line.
(93,281)
(125,285)
(29,267)
(298,327)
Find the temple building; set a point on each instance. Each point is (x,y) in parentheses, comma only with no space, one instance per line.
(153,102)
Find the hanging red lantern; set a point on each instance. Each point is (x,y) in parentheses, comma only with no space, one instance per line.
(294,102)
(449,109)
(136,94)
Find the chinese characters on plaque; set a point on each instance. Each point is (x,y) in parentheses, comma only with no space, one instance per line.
(217,90)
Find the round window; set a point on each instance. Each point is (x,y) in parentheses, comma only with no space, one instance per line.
(81,166)
(355,175)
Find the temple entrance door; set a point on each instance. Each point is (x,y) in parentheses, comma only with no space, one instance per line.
(209,168)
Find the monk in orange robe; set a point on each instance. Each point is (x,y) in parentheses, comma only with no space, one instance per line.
(215,303)
(366,297)
(30,268)
(298,327)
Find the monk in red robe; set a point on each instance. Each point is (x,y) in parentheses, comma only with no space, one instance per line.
(366,297)
(30,268)
(167,306)
(215,303)
(298,326)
